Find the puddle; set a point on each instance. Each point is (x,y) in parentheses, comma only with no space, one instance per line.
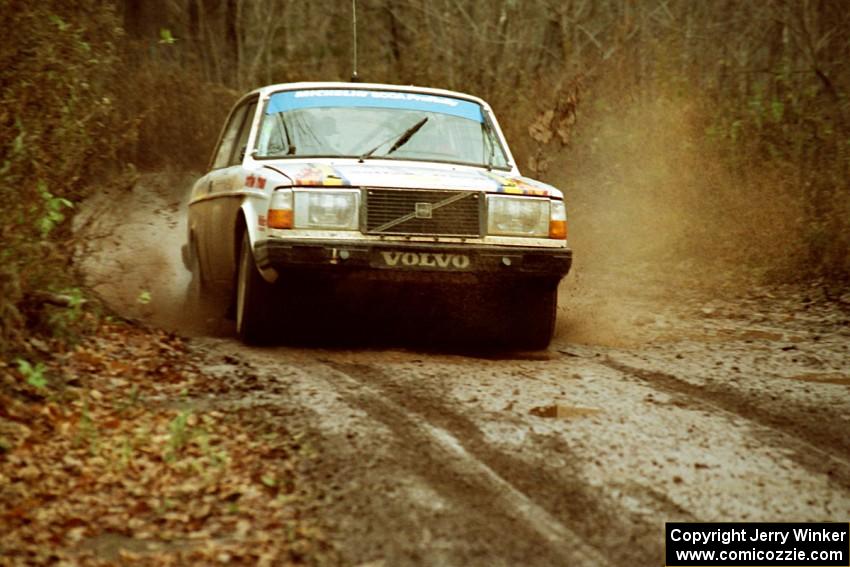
(823,378)
(560,411)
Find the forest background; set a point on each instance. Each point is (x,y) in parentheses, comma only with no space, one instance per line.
(708,139)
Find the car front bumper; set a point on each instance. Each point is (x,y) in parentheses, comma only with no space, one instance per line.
(395,258)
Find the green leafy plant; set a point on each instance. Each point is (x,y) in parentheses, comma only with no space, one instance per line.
(33,374)
(51,210)
(125,452)
(179,434)
(58,22)
(132,400)
(63,320)
(88,431)
(166,37)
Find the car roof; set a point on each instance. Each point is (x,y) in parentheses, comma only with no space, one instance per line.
(269,89)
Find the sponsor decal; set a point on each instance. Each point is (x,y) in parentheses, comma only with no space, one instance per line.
(445,261)
(261,222)
(347,98)
(321,175)
(255,181)
(516,186)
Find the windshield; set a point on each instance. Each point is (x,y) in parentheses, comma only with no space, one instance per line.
(377,125)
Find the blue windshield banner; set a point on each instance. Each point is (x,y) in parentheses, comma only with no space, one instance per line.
(325,98)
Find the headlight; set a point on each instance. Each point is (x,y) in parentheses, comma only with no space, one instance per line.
(517,216)
(334,210)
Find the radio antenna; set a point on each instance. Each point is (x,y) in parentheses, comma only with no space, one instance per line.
(354,77)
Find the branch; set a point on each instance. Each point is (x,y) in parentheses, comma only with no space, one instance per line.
(57,299)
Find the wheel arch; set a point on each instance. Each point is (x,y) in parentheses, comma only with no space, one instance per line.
(239,228)
(242,226)
(247,218)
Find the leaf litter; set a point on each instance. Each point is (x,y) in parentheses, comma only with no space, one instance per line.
(94,471)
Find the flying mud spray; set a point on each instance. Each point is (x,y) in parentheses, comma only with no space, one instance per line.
(655,216)
(130,249)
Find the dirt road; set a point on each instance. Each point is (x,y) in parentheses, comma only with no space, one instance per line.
(648,407)
(574,456)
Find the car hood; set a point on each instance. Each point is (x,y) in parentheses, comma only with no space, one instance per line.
(410,177)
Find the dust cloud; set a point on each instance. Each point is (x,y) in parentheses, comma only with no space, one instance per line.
(129,249)
(658,220)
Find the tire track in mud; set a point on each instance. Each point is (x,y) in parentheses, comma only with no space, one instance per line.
(513,525)
(498,525)
(795,428)
(622,537)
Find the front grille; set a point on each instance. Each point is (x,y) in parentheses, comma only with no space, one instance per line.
(405,212)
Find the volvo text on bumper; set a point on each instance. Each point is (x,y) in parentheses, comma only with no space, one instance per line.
(434,257)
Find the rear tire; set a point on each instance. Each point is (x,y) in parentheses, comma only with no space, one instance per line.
(254,298)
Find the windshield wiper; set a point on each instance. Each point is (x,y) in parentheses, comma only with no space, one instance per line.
(491,140)
(400,140)
(290,147)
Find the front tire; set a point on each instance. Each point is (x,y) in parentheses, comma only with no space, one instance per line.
(525,314)
(254,298)
(535,315)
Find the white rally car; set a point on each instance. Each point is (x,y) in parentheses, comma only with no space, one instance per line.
(312,185)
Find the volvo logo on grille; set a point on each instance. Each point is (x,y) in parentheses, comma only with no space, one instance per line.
(424,210)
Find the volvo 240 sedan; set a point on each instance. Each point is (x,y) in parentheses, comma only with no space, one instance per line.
(313,184)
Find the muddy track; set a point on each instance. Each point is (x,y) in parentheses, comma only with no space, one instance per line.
(816,437)
(410,471)
(485,505)
(568,502)
(438,450)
